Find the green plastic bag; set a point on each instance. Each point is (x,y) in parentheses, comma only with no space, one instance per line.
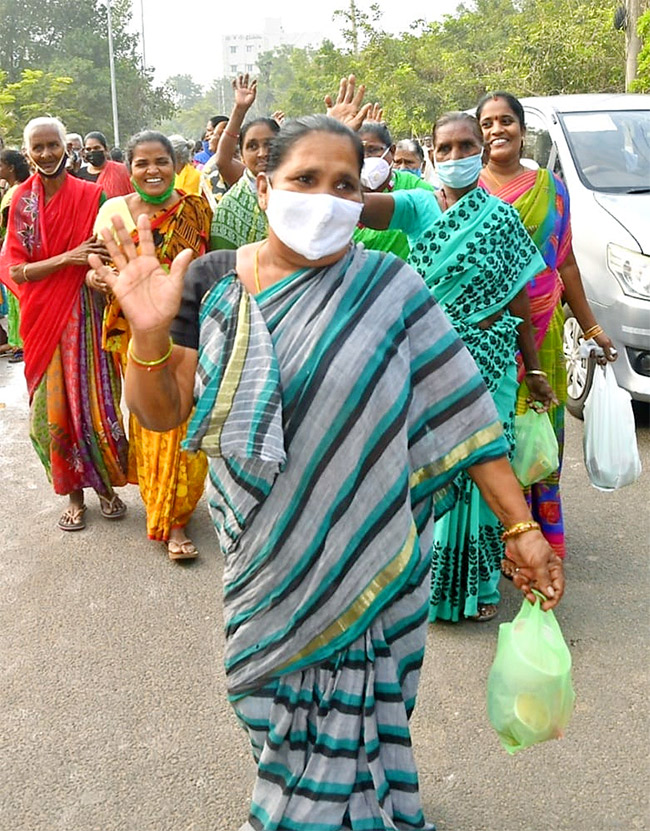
(529,693)
(536,453)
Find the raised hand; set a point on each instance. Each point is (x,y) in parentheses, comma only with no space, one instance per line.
(349,107)
(149,297)
(279,116)
(376,113)
(245,91)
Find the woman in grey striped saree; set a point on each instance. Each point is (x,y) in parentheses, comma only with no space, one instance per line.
(336,405)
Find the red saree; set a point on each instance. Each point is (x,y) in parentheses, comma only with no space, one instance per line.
(74,387)
(114,180)
(37,231)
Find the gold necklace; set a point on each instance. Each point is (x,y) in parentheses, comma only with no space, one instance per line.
(256,268)
(500,182)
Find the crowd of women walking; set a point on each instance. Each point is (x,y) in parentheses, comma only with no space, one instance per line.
(338,347)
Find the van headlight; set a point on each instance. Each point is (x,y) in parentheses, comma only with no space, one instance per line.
(631,269)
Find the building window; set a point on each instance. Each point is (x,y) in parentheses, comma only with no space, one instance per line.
(249,48)
(249,67)
(233,49)
(233,67)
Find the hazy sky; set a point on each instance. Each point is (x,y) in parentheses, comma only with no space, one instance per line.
(175,46)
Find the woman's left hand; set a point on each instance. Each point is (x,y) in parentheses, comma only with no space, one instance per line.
(97,283)
(541,393)
(533,564)
(605,343)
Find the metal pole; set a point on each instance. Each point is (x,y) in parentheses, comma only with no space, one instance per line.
(144,54)
(632,42)
(111,61)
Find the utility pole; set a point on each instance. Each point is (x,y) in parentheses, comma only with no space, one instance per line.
(632,41)
(144,53)
(354,29)
(111,61)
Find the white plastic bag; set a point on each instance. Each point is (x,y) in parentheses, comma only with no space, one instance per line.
(610,448)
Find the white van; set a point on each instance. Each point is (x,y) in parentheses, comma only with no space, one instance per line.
(600,146)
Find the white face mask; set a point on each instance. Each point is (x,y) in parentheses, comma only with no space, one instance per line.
(375,171)
(314,225)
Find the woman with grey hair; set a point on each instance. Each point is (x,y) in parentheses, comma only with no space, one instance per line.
(409,156)
(188,178)
(74,386)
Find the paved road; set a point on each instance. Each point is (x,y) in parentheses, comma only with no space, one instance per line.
(113,715)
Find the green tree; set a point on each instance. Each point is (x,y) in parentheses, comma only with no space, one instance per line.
(642,82)
(35,93)
(184,91)
(65,38)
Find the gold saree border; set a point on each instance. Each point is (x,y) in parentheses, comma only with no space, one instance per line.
(461,451)
(230,383)
(361,604)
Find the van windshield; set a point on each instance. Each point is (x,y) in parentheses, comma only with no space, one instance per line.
(611,149)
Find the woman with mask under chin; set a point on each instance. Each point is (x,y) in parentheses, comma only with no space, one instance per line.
(336,405)
(113,177)
(74,386)
(477,259)
(379,175)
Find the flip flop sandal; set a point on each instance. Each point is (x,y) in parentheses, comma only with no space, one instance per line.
(185,550)
(112,508)
(16,358)
(72,519)
(486,611)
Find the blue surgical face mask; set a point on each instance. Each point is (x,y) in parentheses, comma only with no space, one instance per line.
(416,171)
(460,173)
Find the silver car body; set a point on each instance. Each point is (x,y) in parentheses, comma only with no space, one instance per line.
(603,156)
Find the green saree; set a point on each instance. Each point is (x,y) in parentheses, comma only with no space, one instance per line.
(475,258)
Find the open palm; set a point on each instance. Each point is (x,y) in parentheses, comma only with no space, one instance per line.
(245,91)
(148,295)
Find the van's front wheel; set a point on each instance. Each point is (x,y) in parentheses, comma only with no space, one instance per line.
(579,370)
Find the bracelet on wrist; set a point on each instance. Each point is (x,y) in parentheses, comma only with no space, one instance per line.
(520,528)
(25,277)
(232,135)
(539,372)
(150,366)
(593,332)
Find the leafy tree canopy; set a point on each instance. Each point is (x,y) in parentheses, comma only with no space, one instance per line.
(54,60)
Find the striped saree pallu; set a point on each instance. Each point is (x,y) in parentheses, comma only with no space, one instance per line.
(336,408)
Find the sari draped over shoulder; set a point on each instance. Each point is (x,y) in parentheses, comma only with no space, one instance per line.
(336,408)
(74,387)
(114,179)
(238,218)
(542,201)
(13,309)
(171,480)
(475,257)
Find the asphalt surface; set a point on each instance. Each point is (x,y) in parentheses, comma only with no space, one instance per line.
(113,713)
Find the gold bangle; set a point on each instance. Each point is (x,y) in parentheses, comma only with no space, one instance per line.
(149,365)
(539,372)
(520,528)
(592,332)
(25,277)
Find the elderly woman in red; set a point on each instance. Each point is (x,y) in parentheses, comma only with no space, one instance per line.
(74,387)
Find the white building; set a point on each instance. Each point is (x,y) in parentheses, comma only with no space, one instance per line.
(240,52)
